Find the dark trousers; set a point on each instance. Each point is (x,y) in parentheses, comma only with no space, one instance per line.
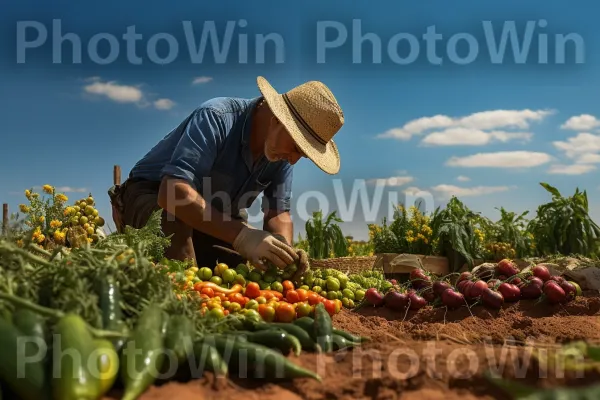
(136,200)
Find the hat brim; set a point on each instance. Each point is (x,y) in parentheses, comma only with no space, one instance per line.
(325,156)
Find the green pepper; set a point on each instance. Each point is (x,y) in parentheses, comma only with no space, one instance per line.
(303,337)
(263,360)
(275,338)
(33,326)
(142,356)
(208,358)
(340,342)
(308,324)
(108,364)
(27,379)
(109,295)
(179,338)
(350,337)
(323,328)
(72,377)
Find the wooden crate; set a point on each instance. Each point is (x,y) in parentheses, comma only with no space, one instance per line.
(348,265)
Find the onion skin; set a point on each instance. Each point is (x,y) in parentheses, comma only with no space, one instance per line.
(465,276)
(510,292)
(416,302)
(452,299)
(507,267)
(440,286)
(541,272)
(374,297)
(476,290)
(531,290)
(395,300)
(554,293)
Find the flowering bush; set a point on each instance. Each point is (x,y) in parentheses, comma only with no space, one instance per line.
(49,222)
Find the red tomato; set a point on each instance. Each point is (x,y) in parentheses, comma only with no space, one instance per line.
(237,298)
(285,312)
(208,291)
(313,298)
(287,285)
(329,307)
(198,286)
(266,312)
(292,296)
(252,290)
(302,294)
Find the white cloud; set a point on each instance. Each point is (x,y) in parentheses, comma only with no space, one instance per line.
(392,181)
(485,120)
(576,146)
(124,93)
(451,190)
(412,190)
(589,159)
(472,137)
(583,122)
(501,159)
(463,178)
(201,79)
(573,169)
(58,189)
(164,104)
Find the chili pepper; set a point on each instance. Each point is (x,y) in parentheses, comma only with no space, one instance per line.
(303,337)
(179,337)
(109,295)
(142,355)
(274,338)
(209,359)
(323,328)
(72,377)
(274,293)
(262,359)
(28,380)
(308,324)
(340,342)
(33,326)
(237,288)
(351,337)
(108,364)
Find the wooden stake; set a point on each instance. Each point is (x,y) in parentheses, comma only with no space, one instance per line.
(4,218)
(117,175)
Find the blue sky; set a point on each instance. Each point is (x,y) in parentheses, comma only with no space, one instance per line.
(488,130)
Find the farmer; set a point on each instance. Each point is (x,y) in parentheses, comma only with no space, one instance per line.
(211,167)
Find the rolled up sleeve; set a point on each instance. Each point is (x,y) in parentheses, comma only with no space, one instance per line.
(197,149)
(278,195)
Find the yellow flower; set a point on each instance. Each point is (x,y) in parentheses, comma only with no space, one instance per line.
(59,237)
(37,232)
(61,198)
(48,189)
(35,195)
(409,232)
(28,194)
(41,238)
(55,224)
(24,208)
(42,219)
(20,243)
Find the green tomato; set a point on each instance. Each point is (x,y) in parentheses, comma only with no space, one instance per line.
(205,273)
(345,302)
(242,269)
(333,284)
(323,293)
(269,278)
(217,280)
(348,294)
(252,305)
(277,286)
(229,275)
(317,289)
(359,295)
(239,278)
(350,303)
(255,276)
(343,279)
(305,287)
(331,295)
(264,285)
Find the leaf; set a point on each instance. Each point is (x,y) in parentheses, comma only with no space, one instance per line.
(551,189)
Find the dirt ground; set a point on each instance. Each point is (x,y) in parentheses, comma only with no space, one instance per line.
(428,355)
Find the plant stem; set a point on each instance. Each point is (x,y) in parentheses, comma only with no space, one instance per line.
(47,312)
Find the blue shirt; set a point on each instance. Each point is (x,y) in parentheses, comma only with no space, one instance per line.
(211,150)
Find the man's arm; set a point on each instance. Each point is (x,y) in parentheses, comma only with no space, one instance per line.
(279,223)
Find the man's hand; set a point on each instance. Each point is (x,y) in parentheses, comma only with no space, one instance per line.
(302,266)
(257,245)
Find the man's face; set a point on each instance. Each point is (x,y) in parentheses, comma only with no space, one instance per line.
(280,145)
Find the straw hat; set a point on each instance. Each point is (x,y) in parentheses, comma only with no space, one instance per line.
(312,116)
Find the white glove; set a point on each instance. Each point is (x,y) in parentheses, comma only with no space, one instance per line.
(257,245)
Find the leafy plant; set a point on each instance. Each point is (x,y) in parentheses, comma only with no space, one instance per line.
(454,228)
(507,237)
(564,225)
(325,238)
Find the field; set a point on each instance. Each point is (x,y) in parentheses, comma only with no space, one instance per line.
(513,317)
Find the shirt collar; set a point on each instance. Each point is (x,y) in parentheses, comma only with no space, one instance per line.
(247,126)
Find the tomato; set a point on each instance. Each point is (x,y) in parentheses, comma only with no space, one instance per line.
(234,307)
(216,313)
(252,315)
(292,296)
(229,275)
(226,303)
(208,291)
(330,307)
(303,310)
(239,278)
(285,312)
(277,286)
(302,294)
(313,298)
(198,286)
(243,270)
(237,298)
(252,290)
(287,285)
(216,280)
(252,305)
(261,299)
(266,312)
(220,268)
(338,305)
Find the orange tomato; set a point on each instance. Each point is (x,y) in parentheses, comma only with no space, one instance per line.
(287,285)
(329,307)
(313,298)
(302,294)
(198,286)
(285,312)
(266,312)
(292,296)
(208,291)
(252,290)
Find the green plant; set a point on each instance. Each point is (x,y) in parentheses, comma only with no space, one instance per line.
(509,232)
(454,228)
(564,225)
(325,238)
